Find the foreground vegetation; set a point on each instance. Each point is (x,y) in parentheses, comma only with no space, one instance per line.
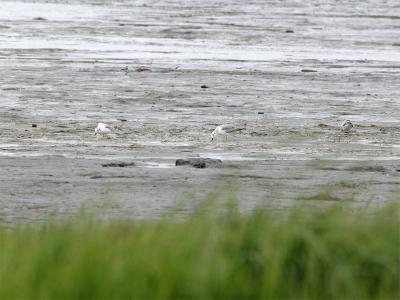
(330,254)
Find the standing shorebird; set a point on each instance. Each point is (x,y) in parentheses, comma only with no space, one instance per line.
(223,130)
(102,128)
(347,126)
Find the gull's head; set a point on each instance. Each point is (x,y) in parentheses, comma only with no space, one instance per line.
(347,126)
(347,123)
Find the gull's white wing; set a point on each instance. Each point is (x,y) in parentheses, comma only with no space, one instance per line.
(102,127)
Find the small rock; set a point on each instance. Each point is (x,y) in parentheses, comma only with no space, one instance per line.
(260,112)
(181,162)
(204,86)
(322,125)
(122,120)
(142,69)
(34,125)
(118,164)
(308,70)
(39,19)
(367,169)
(200,163)
(289,31)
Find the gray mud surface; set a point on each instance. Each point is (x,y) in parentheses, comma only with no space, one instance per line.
(288,72)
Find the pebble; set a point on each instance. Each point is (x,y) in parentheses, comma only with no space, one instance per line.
(142,69)
(199,163)
(118,164)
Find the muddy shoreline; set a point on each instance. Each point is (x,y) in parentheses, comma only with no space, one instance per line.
(288,73)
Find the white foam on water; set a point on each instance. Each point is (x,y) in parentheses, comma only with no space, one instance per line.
(153,165)
(10,145)
(228,156)
(161,143)
(25,154)
(136,48)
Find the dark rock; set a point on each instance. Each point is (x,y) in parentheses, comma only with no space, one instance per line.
(322,125)
(142,69)
(182,162)
(330,169)
(308,70)
(289,31)
(34,125)
(260,112)
(123,120)
(39,19)
(118,164)
(367,169)
(200,163)
(204,86)
(105,177)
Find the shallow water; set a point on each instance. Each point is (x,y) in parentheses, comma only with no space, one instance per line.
(287,72)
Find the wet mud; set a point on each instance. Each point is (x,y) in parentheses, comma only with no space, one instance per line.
(163,74)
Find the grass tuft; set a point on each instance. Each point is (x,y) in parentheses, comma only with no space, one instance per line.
(304,255)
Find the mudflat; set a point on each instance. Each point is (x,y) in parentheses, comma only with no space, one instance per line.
(164,74)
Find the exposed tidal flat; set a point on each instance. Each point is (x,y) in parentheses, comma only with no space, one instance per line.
(165,73)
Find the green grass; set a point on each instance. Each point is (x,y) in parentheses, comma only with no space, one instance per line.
(331,254)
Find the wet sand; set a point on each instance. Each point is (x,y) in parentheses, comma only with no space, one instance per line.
(286,72)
